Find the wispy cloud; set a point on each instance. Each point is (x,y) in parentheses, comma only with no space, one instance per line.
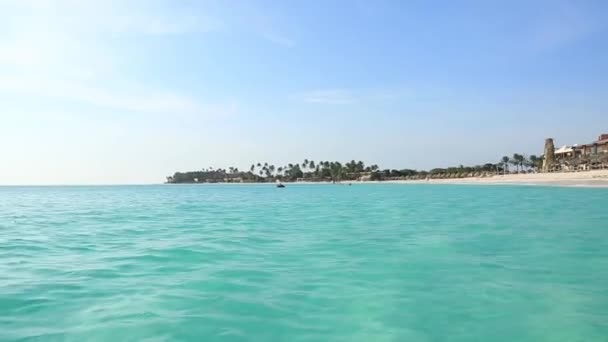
(563,23)
(159,24)
(278,39)
(141,17)
(265,24)
(328,96)
(134,98)
(54,51)
(388,93)
(343,96)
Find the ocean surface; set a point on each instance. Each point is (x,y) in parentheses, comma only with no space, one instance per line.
(369,262)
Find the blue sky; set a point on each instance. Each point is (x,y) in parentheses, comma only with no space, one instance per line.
(131,91)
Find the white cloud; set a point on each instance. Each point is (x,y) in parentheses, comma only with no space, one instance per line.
(328,96)
(342,96)
(388,94)
(141,17)
(56,49)
(133,98)
(265,24)
(280,40)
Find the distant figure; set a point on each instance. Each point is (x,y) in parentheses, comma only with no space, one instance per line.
(349,184)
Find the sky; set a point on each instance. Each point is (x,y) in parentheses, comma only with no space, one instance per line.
(130,91)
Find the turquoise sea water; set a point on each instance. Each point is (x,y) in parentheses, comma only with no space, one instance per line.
(375,262)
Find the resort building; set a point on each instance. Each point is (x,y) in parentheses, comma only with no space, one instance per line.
(577,157)
(599,146)
(564,152)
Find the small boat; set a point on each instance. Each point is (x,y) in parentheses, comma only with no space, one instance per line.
(280,185)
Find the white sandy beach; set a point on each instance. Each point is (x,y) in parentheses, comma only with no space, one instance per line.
(596,178)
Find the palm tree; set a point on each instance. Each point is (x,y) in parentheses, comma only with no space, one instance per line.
(525,163)
(518,161)
(513,161)
(335,171)
(271,169)
(311,164)
(351,166)
(505,163)
(252,168)
(534,161)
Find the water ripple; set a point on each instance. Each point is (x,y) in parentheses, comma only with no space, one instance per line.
(309,263)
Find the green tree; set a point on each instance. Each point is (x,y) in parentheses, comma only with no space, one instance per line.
(360,166)
(524,162)
(294,172)
(514,162)
(534,162)
(336,171)
(518,161)
(505,164)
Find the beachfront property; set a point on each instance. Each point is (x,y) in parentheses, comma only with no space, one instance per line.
(599,146)
(564,152)
(589,156)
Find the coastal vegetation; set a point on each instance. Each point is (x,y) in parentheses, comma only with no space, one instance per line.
(566,159)
(334,171)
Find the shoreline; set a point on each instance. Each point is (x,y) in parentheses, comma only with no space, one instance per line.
(587,179)
(594,178)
